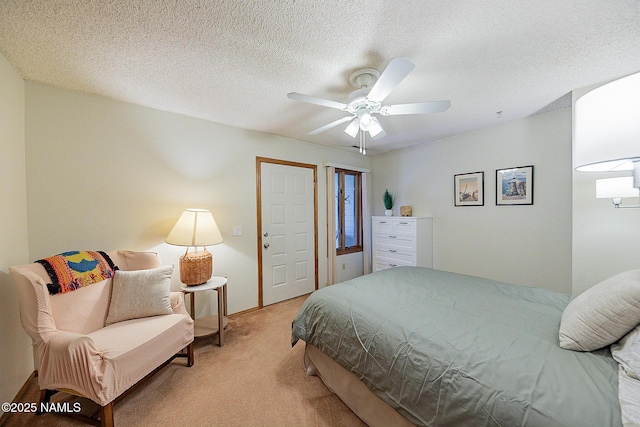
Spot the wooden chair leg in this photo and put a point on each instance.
(190, 355)
(106, 411)
(106, 415)
(45, 396)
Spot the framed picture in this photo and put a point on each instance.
(468, 189)
(514, 186)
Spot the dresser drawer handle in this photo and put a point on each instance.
(393, 251)
(393, 265)
(392, 237)
(382, 222)
(403, 223)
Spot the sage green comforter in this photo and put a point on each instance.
(445, 349)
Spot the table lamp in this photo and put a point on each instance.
(195, 228)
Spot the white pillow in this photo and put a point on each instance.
(627, 353)
(140, 293)
(602, 314)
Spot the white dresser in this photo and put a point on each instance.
(401, 240)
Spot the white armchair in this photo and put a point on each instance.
(77, 349)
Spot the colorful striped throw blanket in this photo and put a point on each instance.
(76, 269)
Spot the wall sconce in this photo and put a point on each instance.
(615, 189)
(607, 128)
(195, 227)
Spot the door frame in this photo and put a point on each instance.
(259, 162)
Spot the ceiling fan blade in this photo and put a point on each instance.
(415, 108)
(396, 71)
(330, 125)
(318, 101)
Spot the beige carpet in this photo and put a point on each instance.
(256, 379)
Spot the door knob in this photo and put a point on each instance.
(266, 246)
(266, 234)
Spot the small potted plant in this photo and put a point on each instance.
(387, 199)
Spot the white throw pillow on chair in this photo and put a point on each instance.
(140, 293)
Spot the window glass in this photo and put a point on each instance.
(350, 214)
(338, 215)
(348, 190)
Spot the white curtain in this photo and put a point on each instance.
(366, 224)
(331, 225)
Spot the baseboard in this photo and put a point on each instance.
(240, 313)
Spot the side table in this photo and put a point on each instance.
(209, 325)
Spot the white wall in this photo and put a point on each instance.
(103, 174)
(349, 266)
(15, 346)
(527, 245)
(606, 241)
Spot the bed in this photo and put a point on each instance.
(418, 346)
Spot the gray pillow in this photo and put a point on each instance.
(602, 314)
(140, 293)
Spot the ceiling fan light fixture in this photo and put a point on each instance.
(353, 128)
(375, 128)
(366, 121)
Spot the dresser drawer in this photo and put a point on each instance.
(394, 241)
(393, 254)
(405, 228)
(383, 264)
(382, 227)
(395, 226)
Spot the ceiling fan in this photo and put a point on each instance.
(363, 103)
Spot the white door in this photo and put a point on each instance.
(288, 234)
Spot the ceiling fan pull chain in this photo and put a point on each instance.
(363, 142)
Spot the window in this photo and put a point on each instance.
(348, 191)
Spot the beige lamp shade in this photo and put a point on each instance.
(195, 227)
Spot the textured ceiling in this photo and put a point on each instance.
(233, 62)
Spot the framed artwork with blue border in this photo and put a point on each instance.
(514, 186)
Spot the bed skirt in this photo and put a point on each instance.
(366, 405)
